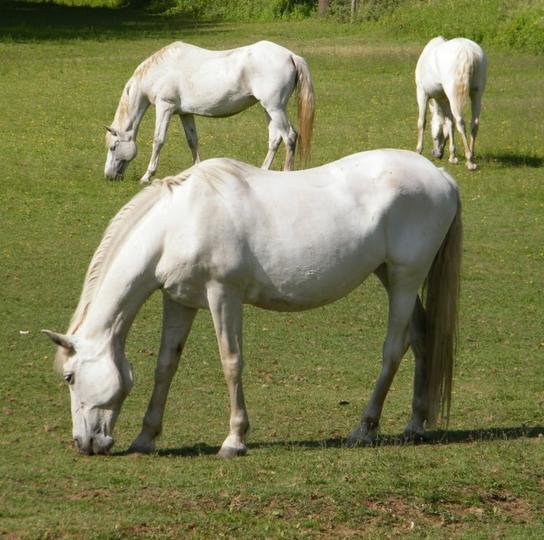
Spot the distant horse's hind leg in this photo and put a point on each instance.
(188, 123)
(226, 310)
(476, 99)
(177, 321)
(422, 100)
(402, 293)
(460, 125)
(279, 128)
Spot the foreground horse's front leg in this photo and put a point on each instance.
(401, 307)
(226, 308)
(177, 321)
(188, 123)
(163, 111)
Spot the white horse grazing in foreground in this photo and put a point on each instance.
(224, 233)
(186, 80)
(450, 72)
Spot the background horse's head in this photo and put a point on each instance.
(439, 129)
(98, 383)
(121, 151)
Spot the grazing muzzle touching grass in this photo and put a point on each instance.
(121, 151)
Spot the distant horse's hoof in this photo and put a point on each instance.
(471, 166)
(229, 452)
(454, 160)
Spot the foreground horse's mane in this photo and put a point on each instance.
(115, 234)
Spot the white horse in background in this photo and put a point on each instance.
(449, 72)
(186, 80)
(224, 233)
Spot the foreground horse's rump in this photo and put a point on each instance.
(449, 73)
(185, 80)
(224, 234)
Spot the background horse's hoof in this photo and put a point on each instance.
(471, 166)
(454, 160)
(140, 446)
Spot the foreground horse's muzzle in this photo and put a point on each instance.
(95, 445)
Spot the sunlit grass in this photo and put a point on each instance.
(307, 374)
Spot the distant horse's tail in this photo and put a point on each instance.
(442, 288)
(306, 107)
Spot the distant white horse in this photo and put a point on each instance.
(450, 72)
(186, 80)
(224, 234)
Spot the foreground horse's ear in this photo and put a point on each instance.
(60, 339)
(111, 130)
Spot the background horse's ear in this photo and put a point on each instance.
(60, 339)
(111, 130)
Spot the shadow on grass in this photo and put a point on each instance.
(28, 21)
(509, 159)
(433, 437)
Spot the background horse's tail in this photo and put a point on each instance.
(306, 107)
(442, 288)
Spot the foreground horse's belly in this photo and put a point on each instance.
(306, 287)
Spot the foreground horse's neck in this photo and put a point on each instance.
(121, 275)
(131, 108)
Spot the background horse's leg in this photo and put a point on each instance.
(422, 100)
(448, 118)
(188, 123)
(402, 291)
(460, 125)
(280, 128)
(476, 101)
(176, 324)
(226, 308)
(164, 112)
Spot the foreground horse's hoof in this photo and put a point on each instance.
(362, 436)
(229, 452)
(141, 446)
(415, 437)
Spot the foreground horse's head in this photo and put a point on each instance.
(98, 383)
(121, 151)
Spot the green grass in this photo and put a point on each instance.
(308, 374)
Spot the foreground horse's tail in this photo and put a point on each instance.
(306, 107)
(442, 288)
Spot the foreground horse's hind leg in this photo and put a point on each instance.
(402, 296)
(279, 128)
(177, 321)
(188, 123)
(226, 309)
(163, 111)
(415, 430)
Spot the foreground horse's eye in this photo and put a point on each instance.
(69, 378)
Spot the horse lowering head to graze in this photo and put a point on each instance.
(185, 80)
(224, 234)
(448, 73)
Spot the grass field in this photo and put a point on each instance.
(308, 374)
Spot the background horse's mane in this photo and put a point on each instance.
(115, 234)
